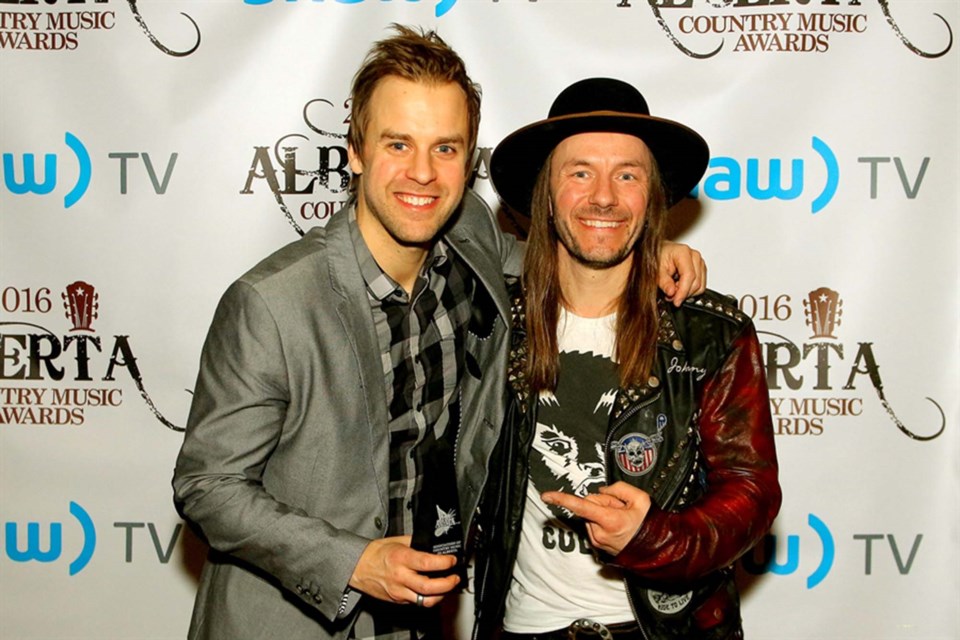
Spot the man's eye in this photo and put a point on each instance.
(398, 146)
(446, 148)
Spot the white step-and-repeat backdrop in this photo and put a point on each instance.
(153, 151)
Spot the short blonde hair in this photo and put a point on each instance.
(418, 56)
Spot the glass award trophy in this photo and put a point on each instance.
(437, 522)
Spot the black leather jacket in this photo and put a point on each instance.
(714, 485)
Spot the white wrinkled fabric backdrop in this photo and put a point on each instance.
(154, 151)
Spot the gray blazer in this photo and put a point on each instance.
(284, 466)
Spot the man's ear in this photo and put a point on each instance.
(356, 162)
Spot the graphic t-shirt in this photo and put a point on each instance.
(557, 579)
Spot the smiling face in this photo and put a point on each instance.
(412, 165)
(599, 184)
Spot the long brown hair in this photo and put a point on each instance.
(418, 56)
(637, 315)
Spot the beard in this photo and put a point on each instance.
(596, 257)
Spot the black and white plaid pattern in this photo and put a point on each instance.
(421, 338)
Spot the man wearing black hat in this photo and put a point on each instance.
(637, 462)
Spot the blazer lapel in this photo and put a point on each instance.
(353, 310)
(488, 272)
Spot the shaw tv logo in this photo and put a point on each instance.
(55, 541)
(813, 177)
(820, 548)
(33, 550)
(32, 175)
(727, 178)
(28, 181)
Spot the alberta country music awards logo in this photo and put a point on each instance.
(811, 370)
(314, 165)
(308, 173)
(32, 25)
(47, 379)
(703, 28)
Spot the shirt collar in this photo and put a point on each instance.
(380, 285)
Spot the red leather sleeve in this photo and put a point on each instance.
(743, 494)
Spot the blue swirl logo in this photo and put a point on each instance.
(28, 182)
(30, 550)
(770, 563)
(727, 179)
(443, 6)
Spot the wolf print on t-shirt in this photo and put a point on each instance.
(572, 422)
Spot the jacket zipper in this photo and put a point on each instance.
(629, 413)
(633, 608)
(624, 417)
(668, 500)
(456, 440)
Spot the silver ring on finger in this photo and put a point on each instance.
(419, 599)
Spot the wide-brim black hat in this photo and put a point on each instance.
(597, 105)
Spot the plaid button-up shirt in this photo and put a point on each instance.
(421, 337)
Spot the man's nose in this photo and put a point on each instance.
(421, 169)
(603, 193)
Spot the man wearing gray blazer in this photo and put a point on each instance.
(331, 366)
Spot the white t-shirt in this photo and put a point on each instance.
(557, 579)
